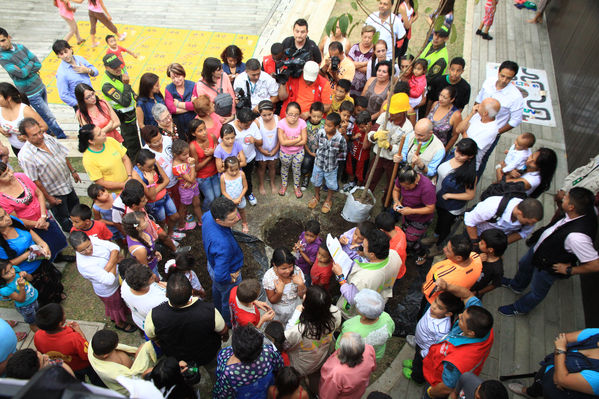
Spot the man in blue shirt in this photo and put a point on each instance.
(72, 70)
(223, 253)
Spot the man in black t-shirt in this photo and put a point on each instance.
(300, 40)
(453, 78)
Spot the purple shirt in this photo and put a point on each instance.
(311, 250)
(220, 152)
(422, 195)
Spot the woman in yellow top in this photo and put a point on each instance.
(105, 160)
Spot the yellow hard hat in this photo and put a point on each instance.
(399, 103)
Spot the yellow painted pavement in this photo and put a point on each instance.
(155, 47)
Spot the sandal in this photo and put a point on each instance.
(20, 335)
(298, 192)
(421, 260)
(326, 207)
(129, 329)
(12, 323)
(313, 202)
(282, 191)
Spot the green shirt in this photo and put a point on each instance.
(375, 334)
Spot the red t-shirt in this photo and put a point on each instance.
(321, 275)
(118, 52)
(67, 345)
(98, 230)
(269, 64)
(399, 244)
(240, 316)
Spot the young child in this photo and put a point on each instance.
(292, 135)
(434, 325)
(184, 169)
(284, 284)
(269, 62)
(359, 152)
(267, 153)
(346, 110)
(102, 209)
(110, 359)
(81, 217)
(332, 149)
(245, 307)
(67, 12)
(142, 245)
(341, 94)
(360, 105)
(493, 243)
(516, 155)
(485, 25)
(275, 333)
(64, 340)
(184, 263)
(233, 185)
(15, 285)
(351, 241)
(322, 270)
(314, 123)
(306, 248)
(114, 48)
(385, 221)
(228, 147)
(160, 205)
(417, 82)
(201, 148)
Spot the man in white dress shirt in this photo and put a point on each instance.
(510, 98)
(382, 21)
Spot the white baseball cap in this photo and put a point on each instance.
(311, 69)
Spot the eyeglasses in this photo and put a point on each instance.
(293, 115)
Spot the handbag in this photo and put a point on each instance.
(223, 102)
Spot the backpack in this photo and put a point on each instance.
(223, 102)
(505, 190)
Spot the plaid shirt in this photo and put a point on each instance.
(50, 168)
(330, 152)
(22, 67)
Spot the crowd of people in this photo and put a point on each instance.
(164, 164)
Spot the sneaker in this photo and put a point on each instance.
(411, 340)
(176, 244)
(518, 389)
(177, 235)
(507, 283)
(479, 32)
(407, 373)
(486, 36)
(252, 200)
(348, 187)
(407, 363)
(305, 182)
(509, 310)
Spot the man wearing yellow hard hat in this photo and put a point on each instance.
(388, 137)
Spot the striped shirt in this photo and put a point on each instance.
(50, 168)
(22, 67)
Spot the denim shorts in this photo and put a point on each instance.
(28, 312)
(330, 178)
(162, 208)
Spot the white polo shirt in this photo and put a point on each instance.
(510, 98)
(265, 88)
(485, 210)
(92, 267)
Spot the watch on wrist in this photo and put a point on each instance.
(340, 277)
(560, 352)
(569, 271)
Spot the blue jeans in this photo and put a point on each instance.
(39, 102)
(210, 188)
(220, 295)
(539, 287)
(162, 208)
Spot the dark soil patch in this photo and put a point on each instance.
(359, 196)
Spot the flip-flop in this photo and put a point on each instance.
(131, 328)
(20, 335)
(421, 260)
(313, 203)
(298, 192)
(282, 191)
(326, 207)
(244, 228)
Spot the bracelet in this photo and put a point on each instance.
(560, 352)
(341, 282)
(428, 391)
(151, 185)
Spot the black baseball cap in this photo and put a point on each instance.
(443, 31)
(112, 61)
